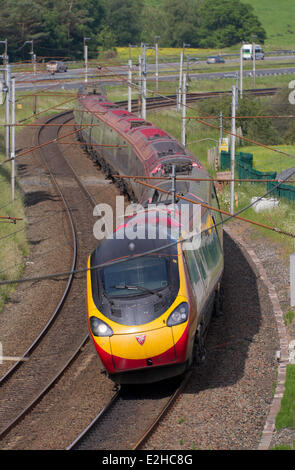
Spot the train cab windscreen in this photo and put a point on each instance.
(135, 277)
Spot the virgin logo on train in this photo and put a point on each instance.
(140, 339)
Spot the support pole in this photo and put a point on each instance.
(254, 65)
(180, 81)
(220, 127)
(292, 280)
(143, 112)
(34, 59)
(183, 123)
(233, 149)
(86, 62)
(139, 84)
(7, 110)
(173, 186)
(129, 85)
(218, 163)
(157, 67)
(35, 104)
(12, 138)
(241, 72)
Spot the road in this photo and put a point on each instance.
(75, 77)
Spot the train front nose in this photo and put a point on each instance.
(139, 350)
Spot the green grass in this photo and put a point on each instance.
(289, 317)
(281, 217)
(278, 19)
(202, 85)
(267, 160)
(14, 247)
(13, 243)
(286, 416)
(276, 16)
(284, 447)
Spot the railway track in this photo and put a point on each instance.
(138, 412)
(27, 393)
(130, 417)
(170, 100)
(64, 335)
(26, 354)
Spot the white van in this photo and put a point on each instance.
(247, 52)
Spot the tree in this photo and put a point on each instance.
(223, 23)
(19, 22)
(258, 129)
(57, 27)
(124, 19)
(152, 20)
(68, 22)
(180, 19)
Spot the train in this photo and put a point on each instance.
(150, 298)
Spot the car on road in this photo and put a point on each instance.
(216, 59)
(56, 66)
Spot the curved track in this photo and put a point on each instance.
(130, 417)
(170, 100)
(138, 412)
(64, 335)
(69, 215)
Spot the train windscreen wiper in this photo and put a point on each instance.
(136, 287)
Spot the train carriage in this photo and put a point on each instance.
(149, 306)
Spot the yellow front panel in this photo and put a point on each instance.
(156, 342)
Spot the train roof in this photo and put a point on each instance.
(153, 145)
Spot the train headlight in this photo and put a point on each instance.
(99, 327)
(179, 315)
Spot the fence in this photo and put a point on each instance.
(245, 170)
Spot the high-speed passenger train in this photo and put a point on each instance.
(150, 304)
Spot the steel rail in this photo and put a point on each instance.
(99, 416)
(67, 288)
(86, 433)
(74, 355)
(163, 413)
(159, 101)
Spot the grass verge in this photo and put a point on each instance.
(14, 247)
(286, 416)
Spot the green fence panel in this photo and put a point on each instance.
(245, 170)
(246, 158)
(224, 160)
(285, 191)
(259, 175)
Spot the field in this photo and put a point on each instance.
(276, 16)
(267, 160)
(278, 19)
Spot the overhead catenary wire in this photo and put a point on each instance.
(156, 250)
(221, 179)
(55, 140)
(211, 125)
(153, 251)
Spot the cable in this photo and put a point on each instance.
(168, 245)
(206, 123)
(148, 252)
